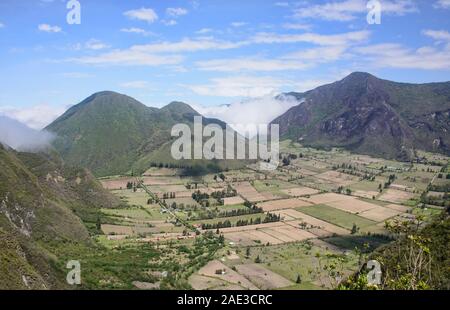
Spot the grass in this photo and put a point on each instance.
(336, 216)
(135, 213)
(274, 187)
(293, 259)
(352, 242)
(232, 219)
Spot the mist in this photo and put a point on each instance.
(22, 138)
(255, 111)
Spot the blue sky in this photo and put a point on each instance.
(208, 52)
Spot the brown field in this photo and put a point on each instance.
(294, 232)
(400, 208)
(365, 194)
(229, 201)
(273, 233)
(312, 221)
(262, 277)
(116, 229)
(168, 188)
(283, 204)
(229, 276)
(238, 238)
(327, 198)
(162, 172)
(300, 191)
(161, 180)
(353, 206)
(199, 282)
(248, 192)
(396, 196)
(262, 236)
(307, 172)
(250, 227)
(379, 214)
(184, 194)
(119, 183)
(336, 177)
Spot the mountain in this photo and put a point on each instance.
(372, 116)
(110, 132)
(43, 205)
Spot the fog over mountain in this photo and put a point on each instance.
(252, 111)
(21, 137)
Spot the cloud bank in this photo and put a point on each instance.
(256, 111)
(22, 138)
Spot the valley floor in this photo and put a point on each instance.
(293, 228)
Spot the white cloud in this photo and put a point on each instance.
(392, 55)
(129, 57)
(2, 25)
(251, 64)
(297, 26)
(137, 31)
(440, 35)
(135, 84)
(238, 24)
(256, 111)
(318, 39)
(239, 86)
(175, 12)
(170, 22)
(49, 28)
(94, 44)
(319, 54)
(348, 9)
(442, 4)
(188, 45)
(36, 117)
(22, 138)
(299, 60)
(282, 4)
(204, 31)
(77, 75)
(144, 14)
(149, 54)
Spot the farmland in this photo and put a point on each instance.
(272, 229)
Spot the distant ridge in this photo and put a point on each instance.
(372, 116)
(111, 133)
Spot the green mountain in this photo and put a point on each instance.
(43, 204)
(110, 134)
(372, 116)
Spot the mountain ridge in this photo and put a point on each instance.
(372, 116)
(109, 132)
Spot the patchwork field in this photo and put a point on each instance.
(278, 226)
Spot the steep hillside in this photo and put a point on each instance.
(109, 132)
(39, 203)
(372, 116)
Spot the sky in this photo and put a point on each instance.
(209, 53)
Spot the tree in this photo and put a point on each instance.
(257, 260)
(98, 224)
(355, 229)
(299, 279)
(247, 252)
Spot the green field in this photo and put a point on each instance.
(336, 217)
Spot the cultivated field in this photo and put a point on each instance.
(278, 226)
